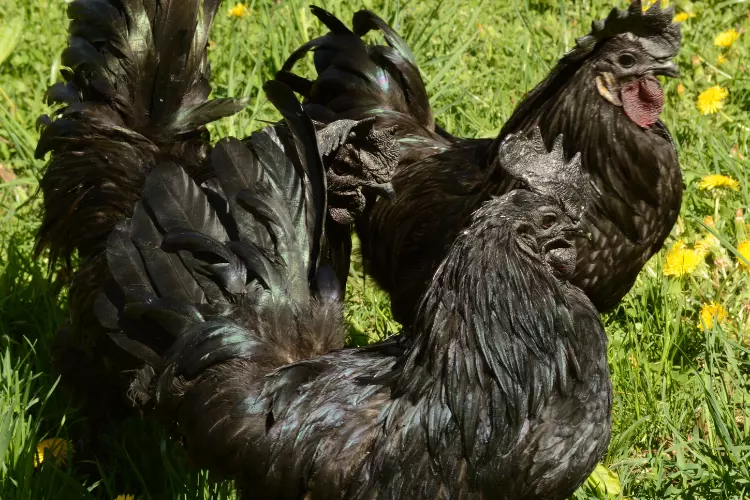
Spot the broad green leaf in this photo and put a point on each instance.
(10, 34)
(604, 482)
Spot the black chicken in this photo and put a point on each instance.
(602, 96)
(220, 293)
(136, 95)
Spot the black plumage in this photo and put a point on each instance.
(602, 96)
(136, 96)
(491, 399)
(136, 93)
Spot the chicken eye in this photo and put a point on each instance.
(548, 220)
(626, 60)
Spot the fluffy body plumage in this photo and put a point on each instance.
(492, 399)
(441, 180)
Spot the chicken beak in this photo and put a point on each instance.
(669, 69)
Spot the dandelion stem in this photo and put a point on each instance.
(715, 68)
(733, 121)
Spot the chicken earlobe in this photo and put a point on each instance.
(605, 84)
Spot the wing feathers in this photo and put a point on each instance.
(177, 202)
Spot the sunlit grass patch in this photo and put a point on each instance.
(679, 348)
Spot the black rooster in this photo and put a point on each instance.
(136, 95)
(602, 96)
(219, 292)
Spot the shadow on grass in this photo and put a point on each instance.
(107, 459)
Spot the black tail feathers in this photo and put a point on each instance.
(135, 94)
(357, 81)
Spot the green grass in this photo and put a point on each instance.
(682, 398)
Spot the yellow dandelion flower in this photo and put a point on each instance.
(711, 100)
(721, 60)
(744, 249)
(239, 10)
(680, 88)
(726, 38)
(709, 221)
(680, 260)
(712, 312)
(58, 448)
(683, 16)
(704, 245)
(125, 497)
(714, 181)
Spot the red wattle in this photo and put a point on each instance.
(643, 101)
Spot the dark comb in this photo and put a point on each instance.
(654, 25)
(547, 173)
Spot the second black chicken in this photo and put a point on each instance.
(220, 293)
(603, 96)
